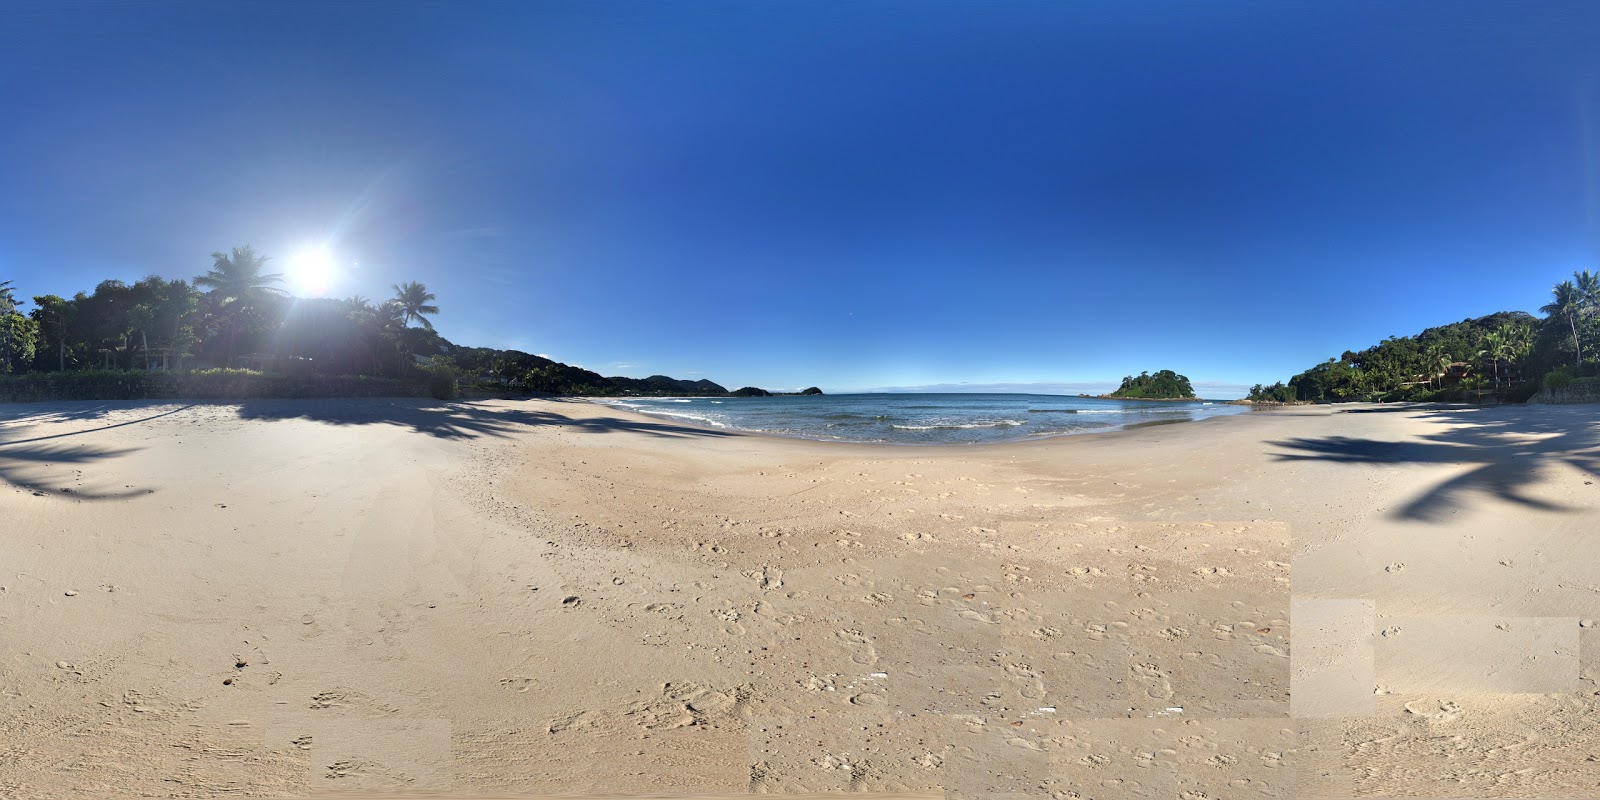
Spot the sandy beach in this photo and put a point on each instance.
(288, 597)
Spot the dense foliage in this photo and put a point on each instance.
(1163, 385)
(1504, 355)
(235, 316)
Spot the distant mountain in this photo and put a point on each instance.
(662, 384)
(518, 370)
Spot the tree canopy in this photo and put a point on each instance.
(1507, 352)
(1163, 385)
(235, 315)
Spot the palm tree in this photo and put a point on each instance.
(1518, 342)
(1568, 303)
(237, 278)
(413, 299)
(390, 318)
(1493, 343)
(1588, 284)
(239, 285)
(8, 306)
(1439, 364)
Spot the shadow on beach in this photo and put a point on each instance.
(20, 454)
(1507, 450)
(453, 420)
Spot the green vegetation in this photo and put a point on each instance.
(233, 332)
(751, 391)
(810, 391)
(1164, 385)
(1503, 356)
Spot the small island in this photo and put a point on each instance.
(1164, 385)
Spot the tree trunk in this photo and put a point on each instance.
(1577, 348)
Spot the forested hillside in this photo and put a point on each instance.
(1506, 355)
(1163, 385)
(236, 317)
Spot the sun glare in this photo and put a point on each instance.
(311, 271)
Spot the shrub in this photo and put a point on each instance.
(1558, 378)
(1521, 392)
(441, 382)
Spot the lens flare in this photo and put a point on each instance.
(311, 272)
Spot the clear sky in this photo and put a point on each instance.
(847, 194)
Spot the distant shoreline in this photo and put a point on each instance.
(1151, 399)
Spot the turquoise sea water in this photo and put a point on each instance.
(921, 418)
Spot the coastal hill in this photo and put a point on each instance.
(1507, 356)
(237, 332)
(1163, 385)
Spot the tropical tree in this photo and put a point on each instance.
(239, 278)
(240, 289)
(1495, 345)
(54, 316)
(1439, 365)
(1568, 302)
(7, 309)
(17, 332)
(391, 320)
(1588, 284)
(415, 300)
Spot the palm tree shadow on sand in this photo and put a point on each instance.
(455, 420)
(1506, 452)
(23, 458)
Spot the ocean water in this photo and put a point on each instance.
(921, 418)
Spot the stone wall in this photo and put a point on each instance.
(1587, 392)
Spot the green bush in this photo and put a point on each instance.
(1521, 392)
(1558, 378)
(441, 382)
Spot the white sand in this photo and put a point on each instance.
(289, 597)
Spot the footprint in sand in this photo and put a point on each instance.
(1029, 683)
(867, 699)
(581, 720)
(862, 651)
(1395, 567)
(517, 682)
(1444, 711)
(1152, 680)
(343, 769)
(770, 578)
(327, 699)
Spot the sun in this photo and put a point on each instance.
(311, 272)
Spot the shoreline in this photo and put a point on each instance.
(1029, 438)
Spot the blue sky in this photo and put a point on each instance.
(853, 195)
